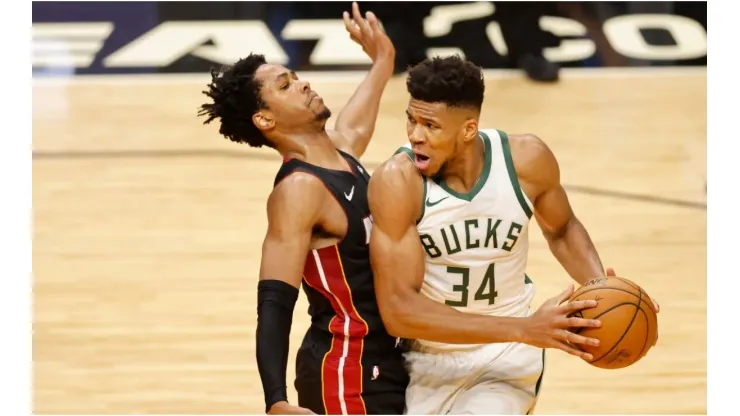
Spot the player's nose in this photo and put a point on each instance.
(305, 86)
(416, 136)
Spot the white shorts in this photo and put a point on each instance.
(488, 379)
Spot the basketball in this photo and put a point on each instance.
(629, 323)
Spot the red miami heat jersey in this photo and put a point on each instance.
(338, 282)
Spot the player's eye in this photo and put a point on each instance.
(285, 87)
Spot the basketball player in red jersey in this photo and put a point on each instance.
(318, 232)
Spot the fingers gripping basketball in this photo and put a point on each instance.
(629, 323)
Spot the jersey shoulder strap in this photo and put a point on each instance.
(501, 150)
(289, 166)
(405, 149)
(355, 164)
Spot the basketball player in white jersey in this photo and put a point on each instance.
(449, 249)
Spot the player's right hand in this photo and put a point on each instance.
(548, 327)
(285, 408)
(368, 33)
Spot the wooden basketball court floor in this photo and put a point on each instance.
(148, 226)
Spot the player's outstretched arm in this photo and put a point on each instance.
(284, 250)
(397, 256)
(568, 239)
(356, 122)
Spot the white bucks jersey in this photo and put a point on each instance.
(476, 243)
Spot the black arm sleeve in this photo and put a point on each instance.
(275, 303)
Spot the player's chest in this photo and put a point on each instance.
(350, 190)
(481, 228)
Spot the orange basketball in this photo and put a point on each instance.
(629, 323)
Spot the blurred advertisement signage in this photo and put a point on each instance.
(145, 37)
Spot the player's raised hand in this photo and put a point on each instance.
(367, 33)
(548, 327)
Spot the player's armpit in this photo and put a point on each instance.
(539, 174)
(397, 257)
(284, 251)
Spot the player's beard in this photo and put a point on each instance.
(324, 114)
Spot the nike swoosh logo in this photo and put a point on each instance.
(351, 192)
(431, 204)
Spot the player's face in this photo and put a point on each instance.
(436, 133)
(291, 103)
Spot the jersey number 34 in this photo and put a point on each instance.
(485, 292)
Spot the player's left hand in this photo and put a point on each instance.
(610, 272)
(368, 34)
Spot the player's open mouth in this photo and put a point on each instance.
(421, 161)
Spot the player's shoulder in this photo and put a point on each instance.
(532, 157)
(398, 170)
(298, 185)
(298, 176)
(527, 142)
(395, 192)
(396, 181)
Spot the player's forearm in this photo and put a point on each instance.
(406, 313)
(576, 252)
(275, 303)
(357, 119)
(415, 316)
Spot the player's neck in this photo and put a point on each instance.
(463, 172)
(311, 147)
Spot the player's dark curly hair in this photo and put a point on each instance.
(236, 97)
(450, 80)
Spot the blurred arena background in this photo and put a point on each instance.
(148, 225)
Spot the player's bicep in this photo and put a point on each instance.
(539, 172)
(395, 249)
(553, 211)
(283, 258)
(289, 232)
(551, 206)
(397, 260)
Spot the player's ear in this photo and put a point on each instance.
(470, 129)
(263, 120)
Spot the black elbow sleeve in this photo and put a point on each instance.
(275, 303)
